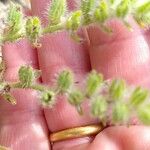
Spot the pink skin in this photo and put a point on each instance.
(26, 126)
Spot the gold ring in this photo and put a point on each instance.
(75, 133)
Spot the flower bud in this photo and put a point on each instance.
(33, 29)
(74, 21)
(76, 97)
(48, 98)
(99, 107)
(144, 115)
(101, 12)
(123, 8)
(27, 76)
(120, 113)
(87, 7)
(94, 81)
(117, 89)
(138, 96)
(14, 29)
(65, 80)
(57, 10)
(142, 15)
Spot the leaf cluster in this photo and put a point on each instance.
(59, 18)
(112, 102)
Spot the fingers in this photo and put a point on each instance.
(21, 126)
(58, 52)
(122, 138)
(15, 55)
(24, 133)
(75, 144)
(117, 138)
(123, 54)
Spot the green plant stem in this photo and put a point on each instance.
(38, 87)
(11, 38)
(51, 29)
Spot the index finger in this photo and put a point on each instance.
(59, 52)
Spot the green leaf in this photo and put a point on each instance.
(99, 107)
(65, 81)
(120, 113)
(101, 12)
(57, 10)
(27, 76)
(48, 98)
(93, 83)
(117, 89)
(33, 29)
(138, 96)
(144, 115)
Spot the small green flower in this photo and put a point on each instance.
(101, 12)
(142, 14)
(144, 114)
(123, 8)
(48, 98)
(57, 10)
(76, 98)
(138, 96)
(33, 29)
(93, 83)
(15, 24)
(120, 114)
(65, 81)
(99, 107)
(27, 76)
(87, 6)
(117, 89)
(74, 21)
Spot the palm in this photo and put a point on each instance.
(26, 126)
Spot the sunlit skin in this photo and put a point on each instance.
(125, 54)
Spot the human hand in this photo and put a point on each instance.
(125, 54)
